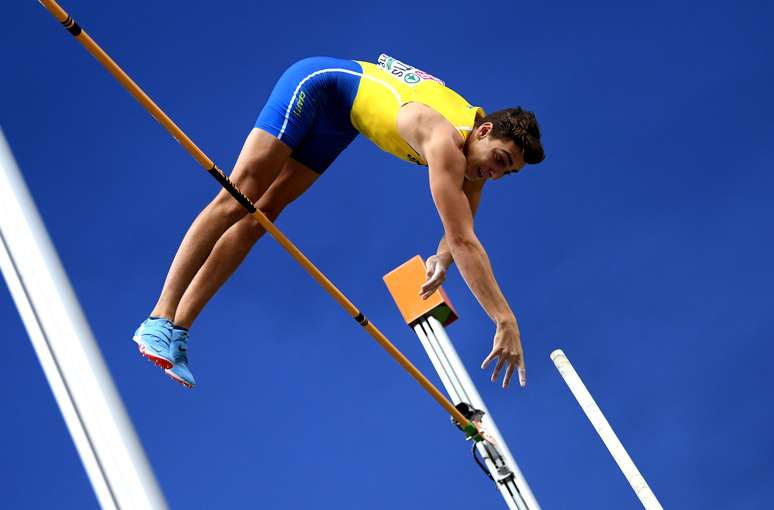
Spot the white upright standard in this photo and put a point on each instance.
(92, 409)
(605, 431)
(498, 459)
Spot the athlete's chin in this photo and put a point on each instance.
(472, 174)
(477, 175)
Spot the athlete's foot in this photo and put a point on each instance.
(153, 338)
(178, 350)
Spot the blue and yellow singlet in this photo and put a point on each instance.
(320, 104)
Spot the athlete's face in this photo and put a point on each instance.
(489, 157)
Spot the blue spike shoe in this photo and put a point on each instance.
(153, 338)
(178, 349)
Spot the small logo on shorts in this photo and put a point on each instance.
(299, 104)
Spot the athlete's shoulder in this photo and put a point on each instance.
(429, 122)
(423, 127)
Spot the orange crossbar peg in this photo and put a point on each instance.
(405, 282)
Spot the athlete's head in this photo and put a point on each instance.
(502, 143)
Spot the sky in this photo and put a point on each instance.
(639, 247)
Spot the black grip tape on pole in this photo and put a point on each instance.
(361, 319)
(229, 186)
(72, 26)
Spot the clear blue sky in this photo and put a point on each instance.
(639, 246)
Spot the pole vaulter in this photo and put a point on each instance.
(92, 47)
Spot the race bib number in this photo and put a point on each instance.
(410, 75)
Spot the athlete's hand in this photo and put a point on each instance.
(509, 353)
(436, 267)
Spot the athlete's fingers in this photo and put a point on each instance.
(428, 293)
(437, 273)
(500, 363)
(429, 276)
(431, 284)
(522, 372)
(488, 359)
(508, 374)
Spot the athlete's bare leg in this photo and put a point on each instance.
(235, 243)
(260, 161)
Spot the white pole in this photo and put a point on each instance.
(605, 431)
(92, 409)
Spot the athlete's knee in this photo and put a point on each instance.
(272, 204)
(271, 211)
(225, 207)
(250, 228)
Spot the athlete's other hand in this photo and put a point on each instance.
(509, 353)
(436, 267)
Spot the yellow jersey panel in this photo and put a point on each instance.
(387, 86)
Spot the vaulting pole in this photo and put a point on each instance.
(134, 89)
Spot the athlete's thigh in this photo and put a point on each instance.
(259, 162)
(293, 180)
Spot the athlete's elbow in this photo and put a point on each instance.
(461, 240)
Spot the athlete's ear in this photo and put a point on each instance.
(484, 129)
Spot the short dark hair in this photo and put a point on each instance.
(521, 127)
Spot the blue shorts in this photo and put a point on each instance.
(309, 109)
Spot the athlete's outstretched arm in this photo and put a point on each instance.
(437, 265)
(447, 168)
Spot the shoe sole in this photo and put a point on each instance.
(163, 363)
(156, 360)
(175, 378)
